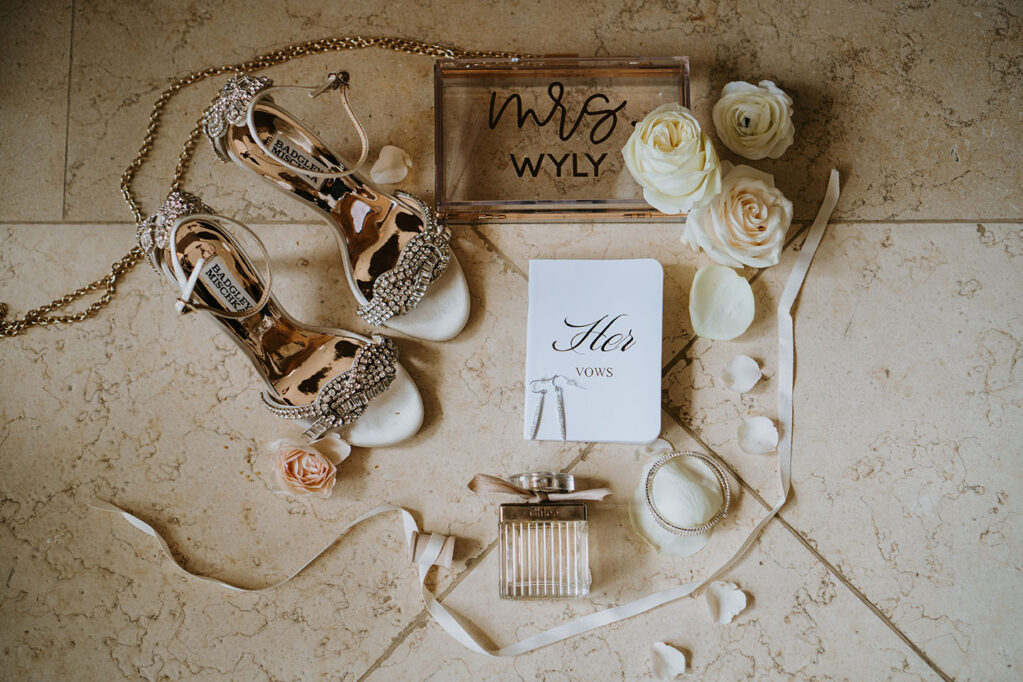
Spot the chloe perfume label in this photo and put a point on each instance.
(288, 151)
(593, 350)
(224, 287)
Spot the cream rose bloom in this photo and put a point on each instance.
(311, 469)
(673, 159)
(745, 224)
(754, 121)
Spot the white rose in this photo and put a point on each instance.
(754, 121)
(673, 159)
(745, 224)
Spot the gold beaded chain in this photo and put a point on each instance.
(42, 316)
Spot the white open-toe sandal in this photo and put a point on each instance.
(397, 256)
(328, 379)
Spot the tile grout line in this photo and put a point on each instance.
(423, 616)
(67, 118)
(866, 601)
(675, 359)
(803, 226)
(959, 222)
(919, 221)
(746, 486)
(679, 355)
(830, 567)
(665, 405)
(493, 247)
(792, 530)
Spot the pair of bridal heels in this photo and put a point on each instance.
(397, 261)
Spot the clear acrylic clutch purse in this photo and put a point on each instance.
(540, 139)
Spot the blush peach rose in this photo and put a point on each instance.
(307, 469)
(745, 224)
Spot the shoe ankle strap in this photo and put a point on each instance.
(158, 234)
(235, 105)
(187, 282)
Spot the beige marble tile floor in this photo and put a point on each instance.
(898, 556)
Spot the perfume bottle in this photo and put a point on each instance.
(544, 552)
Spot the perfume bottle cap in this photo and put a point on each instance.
(544, 482)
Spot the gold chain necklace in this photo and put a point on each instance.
(43, 316)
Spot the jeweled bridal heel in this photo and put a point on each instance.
(397, 257)
(329, 379)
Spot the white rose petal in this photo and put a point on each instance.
(668, 662)
(721, 304)
(725, 601)
(758, 435)
(745, 224)
(391, 166)
(333, 448)
(741, 374)
(674, 161)
(754, 121)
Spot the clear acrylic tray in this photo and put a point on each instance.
(540, 139)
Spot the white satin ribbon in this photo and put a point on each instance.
(426, 550)
(430, 553)
(786, 365)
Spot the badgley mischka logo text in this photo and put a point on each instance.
(224, 287)
(289, 152)
(606, 334)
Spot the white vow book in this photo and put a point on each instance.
(593, 350)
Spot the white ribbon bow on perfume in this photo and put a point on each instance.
(430, 550)
(484, 483)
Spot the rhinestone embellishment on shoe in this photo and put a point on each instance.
(231, 108)
(153, 232)
(344, 398)
(420, 263)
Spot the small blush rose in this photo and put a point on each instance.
(745, 224)
(674, 161)
(311, 469)
(754, 121)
